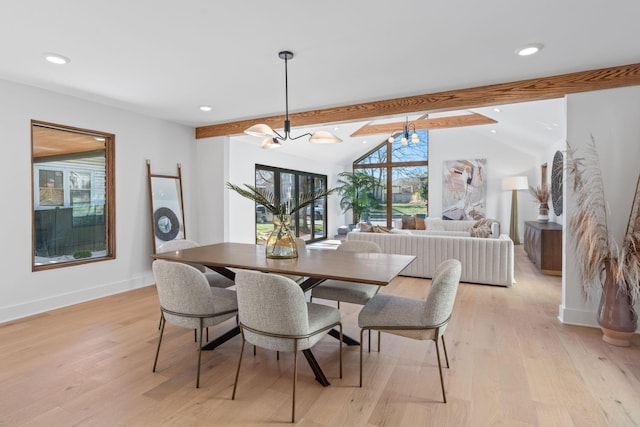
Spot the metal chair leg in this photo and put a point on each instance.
(162, 322)
(444, 346)
(361, 336)
(295, 376)
(444, 396)
(199, 354)
(235, 383)
(340, 349)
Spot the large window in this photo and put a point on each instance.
(309, 223)
(73, 196)
(402, 172)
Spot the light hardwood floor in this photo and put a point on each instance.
(512, 364)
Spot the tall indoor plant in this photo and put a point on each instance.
(281, 242)
(357, 191)
(601, 261)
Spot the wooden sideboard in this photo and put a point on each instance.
(543, 244)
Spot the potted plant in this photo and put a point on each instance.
(281, 242)
(601, 261)
(541, 195)
(357, 193)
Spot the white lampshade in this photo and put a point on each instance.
(324, 137)
(270, 143)
(260, 130)
(515, 183)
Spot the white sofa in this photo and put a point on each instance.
(484, 260)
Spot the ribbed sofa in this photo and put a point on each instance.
(484, 260)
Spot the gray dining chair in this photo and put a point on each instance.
(215, 279)
(350, 292)
(274, 314)
(187, 300)
(415, 318)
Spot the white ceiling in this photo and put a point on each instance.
(165, 58)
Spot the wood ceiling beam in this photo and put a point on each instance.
(436, 123)
(482, 96)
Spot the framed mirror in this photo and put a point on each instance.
(167, 209)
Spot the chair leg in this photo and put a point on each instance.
(277, 355)
(199, 354)
(340, 349)
(369, 336)
(444, 346)
(444, 396)
(379, 337)
(361, 337)
(295, 376)
(235, 383)
(162, 322)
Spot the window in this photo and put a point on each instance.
(73, 196)
(309, 223)
(402, 172)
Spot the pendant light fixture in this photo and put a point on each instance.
(273, 138)
(408, 127)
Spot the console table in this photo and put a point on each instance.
(543, 244)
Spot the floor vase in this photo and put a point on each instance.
(616, 316)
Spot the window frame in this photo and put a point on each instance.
(389, 164)
(109, 192)
(295, 221)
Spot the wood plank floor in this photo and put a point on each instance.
(512, 364)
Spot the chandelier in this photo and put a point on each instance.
(405, 131)
(273, 139)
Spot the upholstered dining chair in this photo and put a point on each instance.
(215, 279)
(413, 318)
(354, 293)
(187, 300)
(275, 315)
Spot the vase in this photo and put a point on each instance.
(543, 213)
(616, 315)
(281, 243)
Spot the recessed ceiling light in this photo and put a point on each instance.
(205, 108)
(364, 142)
(497, 110)
(336, 128)
(494, 131)
(54, 58)
(529, 49)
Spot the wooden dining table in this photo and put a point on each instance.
(315, 265)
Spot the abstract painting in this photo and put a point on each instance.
(464, 189)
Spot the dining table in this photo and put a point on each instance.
(313, 265)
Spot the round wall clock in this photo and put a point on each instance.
(557, 173)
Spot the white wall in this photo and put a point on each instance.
(137, 138)
(238, 168)
(611, 116)
(502, 161)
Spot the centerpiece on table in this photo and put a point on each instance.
(601, 261)
(281, 243)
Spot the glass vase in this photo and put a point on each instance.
(281, 243)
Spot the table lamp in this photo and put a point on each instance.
(515, 183)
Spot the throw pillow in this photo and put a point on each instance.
(420, 225)
(434, 224)
(482, 231)
(379, 229)
(408, 222)
(489, 223)
(364, 227)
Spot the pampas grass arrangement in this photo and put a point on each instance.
(595, 247)
(540, 193)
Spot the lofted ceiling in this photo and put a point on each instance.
(165, 58)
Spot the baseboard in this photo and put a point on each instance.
(577, 317)
(64, 300)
